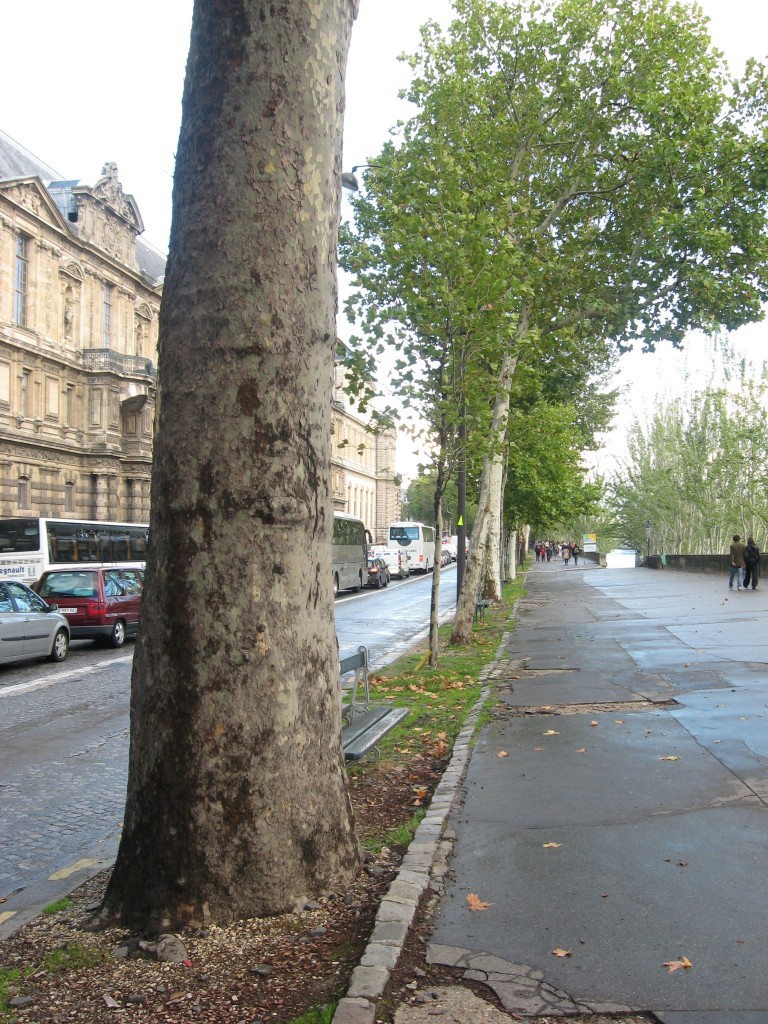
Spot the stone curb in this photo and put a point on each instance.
(425, 859)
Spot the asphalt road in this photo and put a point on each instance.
(64, 732)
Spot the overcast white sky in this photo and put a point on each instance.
(102, 80)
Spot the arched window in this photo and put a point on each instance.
(22, 494)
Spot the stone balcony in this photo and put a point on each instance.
(100, 359)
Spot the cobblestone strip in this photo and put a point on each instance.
(425, 860)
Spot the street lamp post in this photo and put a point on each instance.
(349, 178)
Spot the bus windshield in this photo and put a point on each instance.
(404, 534)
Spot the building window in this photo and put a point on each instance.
(107, 315)
(69, 405)
(69, 496)
(23, 492)
(26, 393)
(21, 281)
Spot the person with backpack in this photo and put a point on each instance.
(751, 563)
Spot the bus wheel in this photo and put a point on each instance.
(335, 585)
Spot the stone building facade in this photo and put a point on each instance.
(79, 301)
(364, 479)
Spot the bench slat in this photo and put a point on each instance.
(377, 730)
(362, 721)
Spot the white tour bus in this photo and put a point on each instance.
(29, 546)
(349, 552)
(419, 542)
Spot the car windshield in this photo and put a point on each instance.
(69, 584)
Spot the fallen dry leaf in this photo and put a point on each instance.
(502, 753)
(111, 1003)
(593, 723)
(562, 952)
(581, 750)
(675, 965)
(551, 846)
(551, 732)
(475, 903)
(672, 757)
(538, 749)
(619, 721)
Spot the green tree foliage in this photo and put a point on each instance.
(546, 483)
(420, 497)
(576, 174)
(699, 471)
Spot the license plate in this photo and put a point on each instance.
(68, 611)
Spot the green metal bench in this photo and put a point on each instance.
(364, 724)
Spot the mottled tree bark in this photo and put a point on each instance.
(237, 800)
(488, 503)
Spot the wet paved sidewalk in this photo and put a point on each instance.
(615, 806)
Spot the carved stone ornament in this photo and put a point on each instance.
(72, 269)
(26, 196)
(110, 191)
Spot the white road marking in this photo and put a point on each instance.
(60, 677)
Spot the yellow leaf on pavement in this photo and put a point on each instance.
(671, 757)
(562, 952)
(502, 753)
(475, 903)
(551, 846)
(675, 965)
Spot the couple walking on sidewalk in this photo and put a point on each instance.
(610, 850)
(744, 558)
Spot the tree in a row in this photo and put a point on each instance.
(698, 470)
(576, 175)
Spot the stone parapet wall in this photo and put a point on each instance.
(691, 563)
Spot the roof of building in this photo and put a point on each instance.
(18, 162)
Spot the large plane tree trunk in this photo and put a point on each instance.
(237, 800)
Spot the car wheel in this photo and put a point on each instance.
(60, 646)
(386, 580)
(335, 585)
(117, 638)
(379, 584)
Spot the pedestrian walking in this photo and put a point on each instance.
(751, 563)
(548, 547)
(566, 553)
(575, 551)
(736, 551)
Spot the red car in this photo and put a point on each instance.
(99, 604)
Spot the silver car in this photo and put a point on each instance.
(29, 628)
